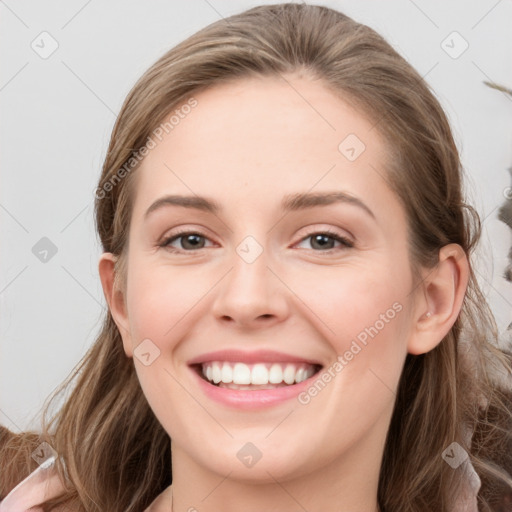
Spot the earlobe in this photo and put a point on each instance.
(115, 298)
(443, 290)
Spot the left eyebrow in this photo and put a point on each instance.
(309, 200)
(290, 202)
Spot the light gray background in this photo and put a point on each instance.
(57, 114)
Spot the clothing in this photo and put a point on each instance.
(43, 484)
(40, 485)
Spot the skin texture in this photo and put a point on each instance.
(247, 144)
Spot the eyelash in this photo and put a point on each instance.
(331, 234)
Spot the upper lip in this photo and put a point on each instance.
(256, 356)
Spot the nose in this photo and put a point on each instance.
(251, 295)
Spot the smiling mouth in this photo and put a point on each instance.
(258, 376)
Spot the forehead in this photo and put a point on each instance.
(260, 138)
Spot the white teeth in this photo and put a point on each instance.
(275, 376)
(227, 373)
(259, 374)
(241, 374)
(216, 373)
(289, 374)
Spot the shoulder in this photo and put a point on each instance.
(467, 499)
(39, 486)
(24, 484)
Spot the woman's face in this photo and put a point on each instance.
(276, 278)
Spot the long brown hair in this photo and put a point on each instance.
(117, 455)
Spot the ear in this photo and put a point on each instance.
(115, 299)
(440, 299)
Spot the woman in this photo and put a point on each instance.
(294, 321)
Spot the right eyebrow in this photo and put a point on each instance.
(197, 202)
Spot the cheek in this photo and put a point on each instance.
(354, 303)
(160, 299)
(161, 307)
(362, 314)
(364, 320)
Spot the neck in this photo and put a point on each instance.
(342, 486)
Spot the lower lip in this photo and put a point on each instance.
(252, 399)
